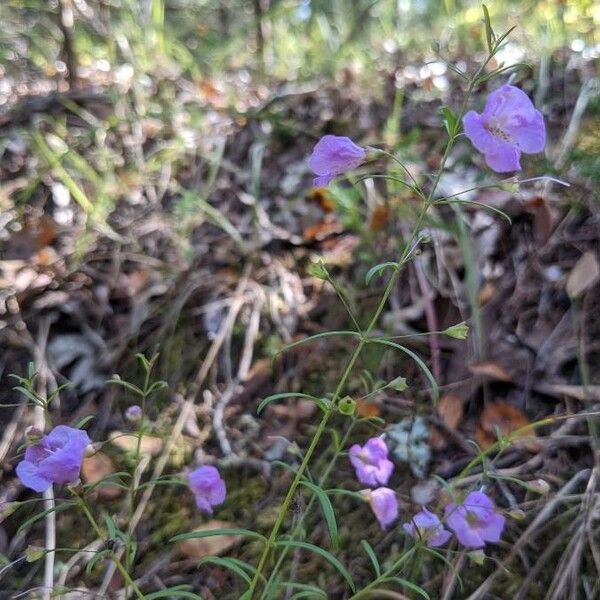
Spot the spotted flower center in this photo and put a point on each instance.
(496, 130)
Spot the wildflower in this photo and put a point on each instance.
(56, 458)
(208, 487)
(384, 504)
(427, 527)
(509, 125)
(475, 521)
(371, 462)
(334, 155)
(134, 413)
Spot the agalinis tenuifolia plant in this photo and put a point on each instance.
(461, 518)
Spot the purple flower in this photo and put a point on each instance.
(371, 462)
(208, 487)
(56, 458)
(334, 155)
(475, 521)
(134, 413)
(384, 504)
(509, 125)
(427, 527)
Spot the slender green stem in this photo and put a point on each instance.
(296, 529)
(391, 572)
(129, 582)
(357, 351)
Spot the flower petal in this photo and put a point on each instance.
(529, 134)
(492, 529)
(505, 159)
(29, 475)
(475, 130)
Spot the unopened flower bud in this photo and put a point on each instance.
(33, 434)
(459, 331)
(134, 414)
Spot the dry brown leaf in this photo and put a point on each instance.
(365, 409)
(584, 275)
(323, 198)
(490, 369)
(322, 230)
(379, 218)
(450, 409)
(97, 467)
(209, 546)
(128, 443)
(503, 419)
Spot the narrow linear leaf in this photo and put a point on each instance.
(372, 557)
(327, 509)
(408, 584)
(378, 269)
(434, 386)
(180, 591)
(229, 564)
(322, 403)
(223, 531)
(478, 204)
(305, 588)
(39, 516)
(318, 336)
(332, 560)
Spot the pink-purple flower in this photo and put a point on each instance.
(384, 505)
(475, 521)
(510, 124)
(334, 155)
(427, 527)
(56, 458)
(371, 462)
(208, 487)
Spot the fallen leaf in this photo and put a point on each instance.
(584, 275)
(322, 230)
(366, 409)
(97, 467)
(323, 198)
(379, 218)
(490, 369)
(215, 545)
(502, 419)
(128, 443)
(450, 409)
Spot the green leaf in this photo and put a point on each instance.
(378, 269)
(478, 204)
(177, 591)
(223, 531)
(317, 336)
(230, 564)
(332, 560)
(449, 120)
(408, 584)
(327, 509)
(305, 588)
(130, 386)
(84, 421)
(58, 508)
(489, 32)
(322, 403)
(435, 391)
(372, 557)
